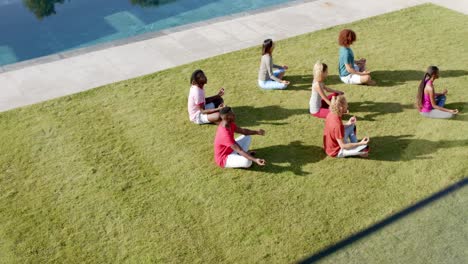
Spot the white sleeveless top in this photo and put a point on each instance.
(315, 99)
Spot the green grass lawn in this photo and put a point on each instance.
(119, 174)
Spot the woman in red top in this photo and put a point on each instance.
(340, 140)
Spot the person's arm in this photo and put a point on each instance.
(277, 66)
(204, 111)
(280, 66)
(430, 89)
(267, 62)
(330, 90)
(245, 131)
(351, 121)
(215, 97)
(444, 92)
(351, 70)
(343, 145)
(246, 155)
(322, 94)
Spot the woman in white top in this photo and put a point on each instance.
(267, 78)
(319, 101)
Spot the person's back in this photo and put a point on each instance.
(427, 105)
(346, 56)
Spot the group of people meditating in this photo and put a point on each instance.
(339, 139)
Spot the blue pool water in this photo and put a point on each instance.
(35, 28)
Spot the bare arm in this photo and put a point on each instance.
(351, 70)
(343, 145)
(246, 155)
(267, 61)
(322, 94)
(330, 90)
(215, 97)
(209, 111)
(430, 90)
(245, 131)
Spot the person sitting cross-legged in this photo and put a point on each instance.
(230, 153)
(351, 71)
(203, 110)
(340, 140)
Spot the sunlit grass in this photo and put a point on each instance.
(119, 174)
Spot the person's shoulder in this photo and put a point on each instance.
(333, 118)
(316, 84)
(429, 87)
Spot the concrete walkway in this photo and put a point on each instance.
(24, 84)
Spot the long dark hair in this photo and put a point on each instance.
(431, 71)
(198, 78)
(267, 45)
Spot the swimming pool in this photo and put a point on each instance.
(34, 28)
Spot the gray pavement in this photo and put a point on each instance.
(58, 75)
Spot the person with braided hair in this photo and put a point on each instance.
(430, 103)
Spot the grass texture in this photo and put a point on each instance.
(119, 174)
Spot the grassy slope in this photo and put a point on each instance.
(119, 174)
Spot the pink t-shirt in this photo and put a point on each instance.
(196, 98)
(222, 144)
(427, 106)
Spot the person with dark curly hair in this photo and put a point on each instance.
(203, 110)
(351, 71)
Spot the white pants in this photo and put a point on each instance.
(352, 78)
(356, 151)
(234, 160)
(436, 113)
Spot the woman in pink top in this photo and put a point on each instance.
(430, 103)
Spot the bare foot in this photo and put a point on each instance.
(371, 83)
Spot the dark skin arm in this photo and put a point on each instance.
(246, 155)
(209, 111)
(241, 152)
(215, 97)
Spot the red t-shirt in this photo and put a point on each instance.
(222, 144)
(334, 129)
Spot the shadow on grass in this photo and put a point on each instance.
(385, 222)
(252, 116)
(393, 78)
(404, 148)
(383, 108)
(295, 154)
(376, 109)
(304, 82)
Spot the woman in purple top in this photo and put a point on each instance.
(430, 103)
